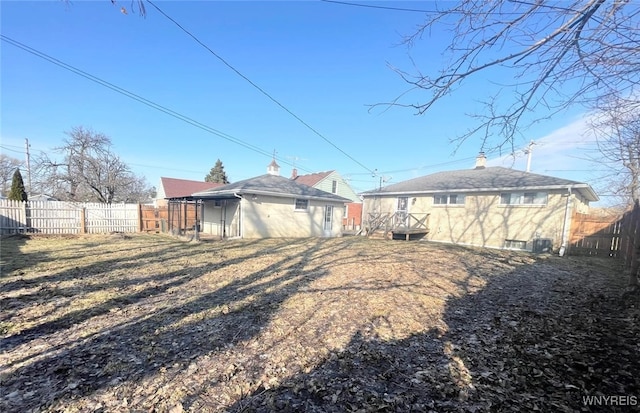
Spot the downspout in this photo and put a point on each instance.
(566, 228)
(241, 216)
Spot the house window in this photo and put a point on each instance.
(515, 244)
(217, 203)
(302, 204)
(523, 198)
(450, 199)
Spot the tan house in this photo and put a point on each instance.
(332, 181)
(270, 206)
(485, 206)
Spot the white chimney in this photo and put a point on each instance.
(273, 168)
(294, 173)
(481, 161)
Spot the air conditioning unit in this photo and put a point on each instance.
(541, 245)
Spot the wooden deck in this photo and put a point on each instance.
(418, 233)
(399, 225)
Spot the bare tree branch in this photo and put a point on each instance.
(558, 54)
(90, 171)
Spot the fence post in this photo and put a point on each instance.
(25, 223)
(140, 224)
(83, 220)
(635, 245)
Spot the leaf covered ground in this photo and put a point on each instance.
(153, 323)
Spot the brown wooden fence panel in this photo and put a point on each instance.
(154, 219)
(609, 235)
(183, 215)
(630, 245)
(595, 234)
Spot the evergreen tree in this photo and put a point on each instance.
(17, 192)
(217, 174)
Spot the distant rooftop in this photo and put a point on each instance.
(271, 185)
(312, 179)
(180, 188)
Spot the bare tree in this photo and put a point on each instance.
(90, 171)
(617, 127)
(8, 165)
(553, 54)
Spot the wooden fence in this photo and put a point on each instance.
(57, 217)
(616, 236)
(154, 219)
(596, 234)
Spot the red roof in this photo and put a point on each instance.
(312, 179)
(178, 188)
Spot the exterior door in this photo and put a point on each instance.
(402, 211)
(328, 218)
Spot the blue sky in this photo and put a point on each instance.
(325, 62)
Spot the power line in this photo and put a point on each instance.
(12, 150)
(128, 163)
(141, 99)
(449, 11)
(274, 100)
(428, 166)
(345, 3)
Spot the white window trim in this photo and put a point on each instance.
(521, 197)
(449, 204)
(295, 205)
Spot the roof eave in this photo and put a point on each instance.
(590, 194)
(231, 194)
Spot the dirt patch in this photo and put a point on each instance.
(148, 322)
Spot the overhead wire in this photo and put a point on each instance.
(164, 167)
(143, 100)
(257, 87)
(371, 6)
(12, 150)
(452, 11)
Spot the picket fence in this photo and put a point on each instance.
(57, 217)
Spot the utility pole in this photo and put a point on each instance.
(26, 145)
(528, 152)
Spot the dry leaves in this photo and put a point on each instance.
(152, 323)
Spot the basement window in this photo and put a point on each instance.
(302, 204)
(514, 244)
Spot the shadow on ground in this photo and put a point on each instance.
(551, 336)
(156, 340)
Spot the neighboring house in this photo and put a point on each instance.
(173, 188)
(42, 197)
(270, 206)
(331, 181)
(492, 207)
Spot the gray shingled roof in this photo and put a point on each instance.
(269, 185)
(482, 179)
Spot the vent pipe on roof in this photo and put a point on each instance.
(294, 173)
(481, 161)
